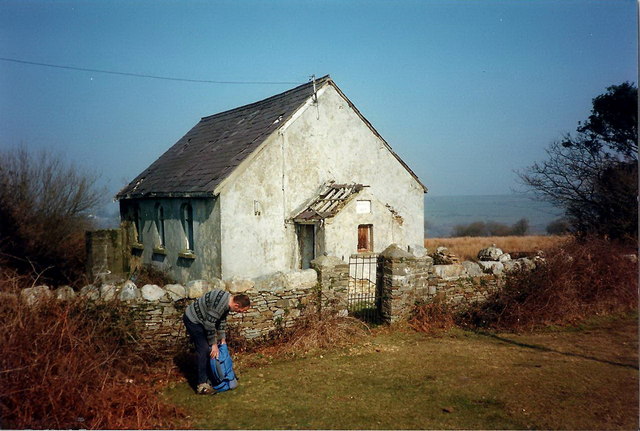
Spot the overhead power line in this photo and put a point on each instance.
(142, 75)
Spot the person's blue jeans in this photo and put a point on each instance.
(203, 349)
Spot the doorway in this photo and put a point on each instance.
(306, 244)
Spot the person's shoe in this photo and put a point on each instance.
(204, 389)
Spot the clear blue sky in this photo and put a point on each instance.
(464, 91)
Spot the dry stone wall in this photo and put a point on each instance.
(279, 299)
(413, 277)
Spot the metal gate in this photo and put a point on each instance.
(364, 295)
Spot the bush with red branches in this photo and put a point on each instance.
(576, 280)
(69, 365)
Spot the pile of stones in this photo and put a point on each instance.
(493, 260)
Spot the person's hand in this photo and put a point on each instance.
(214, 351)
(223, 341)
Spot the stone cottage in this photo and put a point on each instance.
(270, 186)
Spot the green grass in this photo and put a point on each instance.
(571, 379)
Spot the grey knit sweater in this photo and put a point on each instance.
(210, 310)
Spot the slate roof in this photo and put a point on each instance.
(214, 147)
(196, 164)
(329, 202)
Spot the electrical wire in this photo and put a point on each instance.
(141, 75)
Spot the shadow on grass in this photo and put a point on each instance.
(550, 350)
(186, 364)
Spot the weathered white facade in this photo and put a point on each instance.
(246, 227)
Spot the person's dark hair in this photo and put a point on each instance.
(242, 300)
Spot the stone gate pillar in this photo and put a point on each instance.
(404, 281)
(333, 280)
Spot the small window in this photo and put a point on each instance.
(160, 224)
(365, 238)
(363, 207)
(187, 225)
(137, 220)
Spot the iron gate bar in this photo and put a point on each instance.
(363, 297)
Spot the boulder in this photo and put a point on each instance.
(64, 293)
(197, 288)
(216, 283)
(472, 268)
(492, 267)
(34, 295)
(271, 283)
(327, 261)
(129, 292)
(108, 292)
(176, 291)
(490, 253)
(449, 272)
(236, 285)
(442, 256)
(504, 257)
(91, 292)
(152, 292)
(519, 264)
(418, 250)
(305, 279)
(395, 252)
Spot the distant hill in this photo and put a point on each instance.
(442, 213)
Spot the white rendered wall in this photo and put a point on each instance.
(328, 141)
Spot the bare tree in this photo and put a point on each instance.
(594, 175)
(44, 204)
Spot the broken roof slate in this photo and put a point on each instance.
(214, 147)
(329, 202)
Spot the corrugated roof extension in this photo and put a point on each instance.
(329, 202)
(196, 164)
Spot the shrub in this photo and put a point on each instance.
(149, 274)
(559, 226)
(63, 366)
(491, 228)
(44, 205)
(576, 280)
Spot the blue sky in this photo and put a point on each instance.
(464, 91)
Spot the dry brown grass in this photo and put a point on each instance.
(467, 248)
(310, 334)
(431, 318)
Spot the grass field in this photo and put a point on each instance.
(467, 248)
(579, 378)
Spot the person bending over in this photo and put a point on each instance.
(206, 320)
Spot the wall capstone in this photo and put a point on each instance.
(237, 285)
(197, 288)
(33, 295)
(176, 291)
(129, 292)
(152, 292)
(65, 293)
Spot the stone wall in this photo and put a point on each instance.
(279, 299)
(410, 278)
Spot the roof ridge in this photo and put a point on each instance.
(319, 81)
